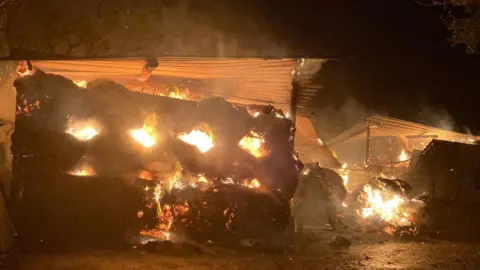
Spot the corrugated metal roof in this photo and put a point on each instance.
(382, 126)
(244, 81)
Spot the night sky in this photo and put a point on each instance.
(394, 56)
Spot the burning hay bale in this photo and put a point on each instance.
(207, 171)
(383, 204)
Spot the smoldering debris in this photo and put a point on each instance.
(111, 162)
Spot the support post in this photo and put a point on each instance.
(367, 150)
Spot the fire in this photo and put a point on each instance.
(403, 156)
(202, 140)
(82, 130)
(253, 184)
(384, 206)
(81, 83)
(254, 144)
(176, 93)
(202, 179)
(85, 170)
(146, 135)
(23, 70)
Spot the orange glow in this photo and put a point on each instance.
(202, 179)
(146, 175)
(81, 83)
(253, 144)
(147, 135)
(85, 170)
(202, 140)
(83, 130)
(22, 69)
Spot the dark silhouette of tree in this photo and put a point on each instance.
(465, 28)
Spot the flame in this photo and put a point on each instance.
(81, 83)
(254, 144)
(256, 114)
(22, 69)
(176, 93)
(202, 179)
(202, 140)
(320, 141)
(403, 156)
(384, 206)
(253, 184)
(85, 170)
(82, 130)
(146, 135)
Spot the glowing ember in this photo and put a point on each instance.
(403, 156)
(82, 83)
(256, 114)
(82, 130)
(254, 144)
(145, 175)
(384, 206)
(202, 140)
(146, 135)
(320, 141)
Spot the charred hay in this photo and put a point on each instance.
(54, 207)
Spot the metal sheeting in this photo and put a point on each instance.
(244, 80)
(308, 146)
(382, 126)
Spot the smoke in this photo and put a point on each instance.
(133, 28)
(331, 120)
(436, 117)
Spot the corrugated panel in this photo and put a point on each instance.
(382, 126)
(308, 146)
(244, 81)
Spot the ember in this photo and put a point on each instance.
(146, 135)
(202, 140)
(254, 144)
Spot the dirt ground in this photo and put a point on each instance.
(386, 255)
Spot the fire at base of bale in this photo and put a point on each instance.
(383, 204)
(205, 171)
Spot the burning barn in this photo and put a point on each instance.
(200, 148)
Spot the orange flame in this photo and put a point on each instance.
(83, 130)
(84, 170)
(81, 83)
(202, 140)
(253, 184)
(387, 207)
(146, 135)
(253, 144)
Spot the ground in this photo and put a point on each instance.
(387, 255)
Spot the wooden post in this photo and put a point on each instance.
(367, 150)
